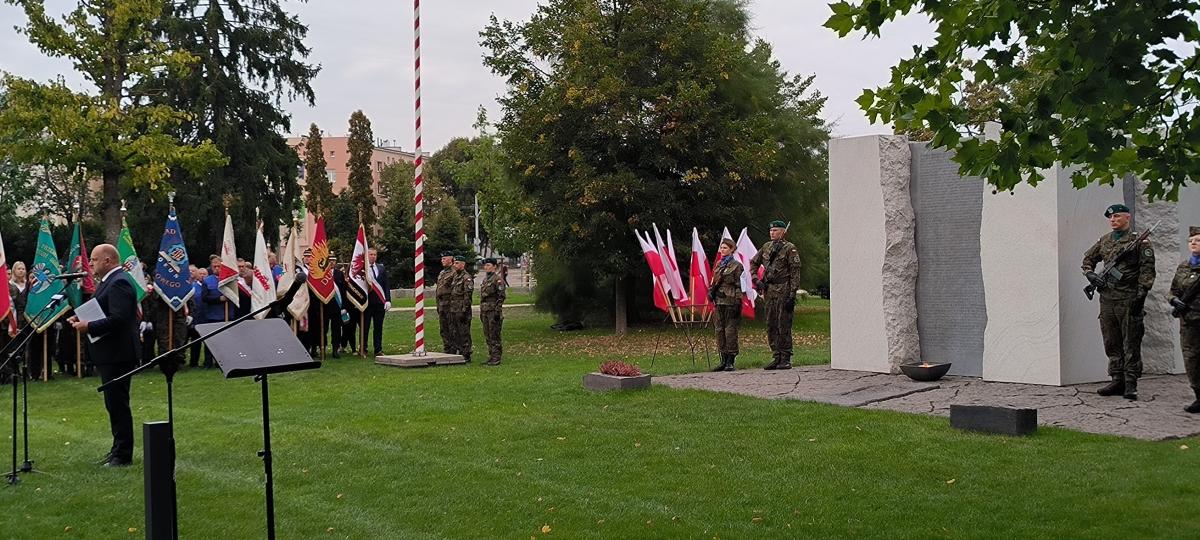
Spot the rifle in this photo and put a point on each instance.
(1110, 273)
(1182, 304)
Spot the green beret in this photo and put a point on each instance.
(447, 254)
(778, 224)
(460, 258)
(489, 261)
(1116, 208)
(1193, 231)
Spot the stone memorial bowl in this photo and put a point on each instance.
(925, 372)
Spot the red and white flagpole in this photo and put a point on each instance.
(418, 195)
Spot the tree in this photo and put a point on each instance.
(396, 244)
(1108, 86)
(361, 145)
(318, 188)
(249, 56)
(116, 132)
(620, 114)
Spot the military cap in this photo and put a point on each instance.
(460, 258)
(1115, 209)
(778, 224)
(448, 254)
(1193, 231)
(489, 260)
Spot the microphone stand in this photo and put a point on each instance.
(23, 336)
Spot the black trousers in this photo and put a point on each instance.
(120, 418)
(374, 327)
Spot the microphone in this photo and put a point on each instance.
(299, 281)
(68, 277)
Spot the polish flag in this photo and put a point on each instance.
(6, 302)
(658, 277)
(228, 281)
(745, 252)
(700, 272)
(678, 290)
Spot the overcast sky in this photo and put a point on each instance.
(365, 50)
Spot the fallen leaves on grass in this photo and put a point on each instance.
(950, 481)
(546, 529)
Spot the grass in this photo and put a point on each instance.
(511, 299)
(363, 451)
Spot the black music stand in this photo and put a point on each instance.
(258, 348)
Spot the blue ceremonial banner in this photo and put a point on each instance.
(171, 274)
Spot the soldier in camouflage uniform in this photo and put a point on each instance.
(1122, 300)
(462, 285)
(1187, 278)
(779, 284)
(491, 309)
(725, 292)
(441, 295)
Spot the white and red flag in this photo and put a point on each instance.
(227, 272)
(658, 274)
(262, 283)
(745, 252)
(7, 313)
(356, 281)
(700, 272)
(292, 260)
(677, 289)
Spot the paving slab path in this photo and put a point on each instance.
(1158, 415)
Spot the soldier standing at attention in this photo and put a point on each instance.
(491, 309)
(1121, 299)
(462, 285)
(779, 284)
(442, 297)
(725, 292)
(1185, 292)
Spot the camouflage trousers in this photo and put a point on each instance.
(1189, 338)
(781, 309)
(492, 320)
(726, 320)
(446, 328)
(1122, 327)
(462, 333)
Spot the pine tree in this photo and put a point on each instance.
(362, 191)
(318, 189)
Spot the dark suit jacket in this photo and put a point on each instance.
(374, 301)
(118, 331)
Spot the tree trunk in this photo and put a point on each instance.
(112, 206)
(620, 315)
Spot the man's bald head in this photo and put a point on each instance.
(104, 259)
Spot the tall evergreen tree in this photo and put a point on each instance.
(318, 190)
(361, 145)
(250, 55)
(623, 113)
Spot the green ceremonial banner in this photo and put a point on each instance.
(131, 262)
(42, 286)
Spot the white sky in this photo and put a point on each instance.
(365, 50)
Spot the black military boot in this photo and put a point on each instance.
(1194, 408)
(774, 363)
(785, 362)
(1114, 388)
(729, 365)
(1130, 388)
(724, 362)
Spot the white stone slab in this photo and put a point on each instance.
(856, 246)
(1041, 328)
(428, 359)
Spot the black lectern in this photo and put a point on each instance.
(258, 348)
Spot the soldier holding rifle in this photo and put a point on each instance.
(1123, 284)
(1185, 301)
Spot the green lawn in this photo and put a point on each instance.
(512, 298)
(365, 451)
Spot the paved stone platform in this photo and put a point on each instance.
(1158, 415)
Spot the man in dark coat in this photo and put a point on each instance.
(115, 349)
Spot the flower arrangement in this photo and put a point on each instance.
(618, 368)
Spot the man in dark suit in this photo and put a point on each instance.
(377, 307)
(115, 349)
